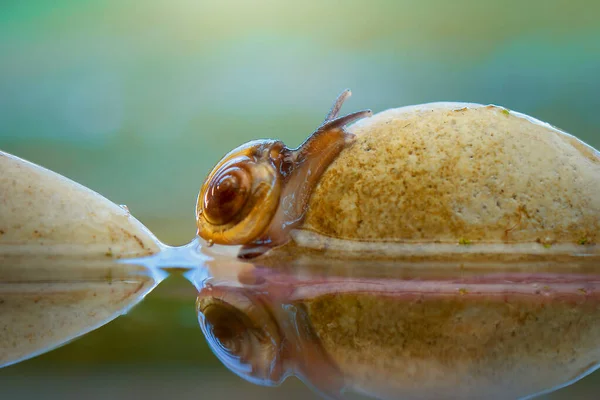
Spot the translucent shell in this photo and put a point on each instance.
(239, 198)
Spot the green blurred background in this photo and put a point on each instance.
(138, 99)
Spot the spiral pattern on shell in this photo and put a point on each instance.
(227, 194)
(238, 199)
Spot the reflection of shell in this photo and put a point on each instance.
(242, 333)
(459, 173)
(58, 278)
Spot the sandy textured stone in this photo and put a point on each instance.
(41, 211)
(454, 172)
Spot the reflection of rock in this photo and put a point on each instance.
(50, 309)
(451, 346)
(393, 334)
(58, 240)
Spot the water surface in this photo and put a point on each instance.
(381, 328)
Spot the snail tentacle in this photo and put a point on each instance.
(337, 106)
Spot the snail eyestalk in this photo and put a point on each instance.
(337, 106)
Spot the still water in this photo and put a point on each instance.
(383, 329)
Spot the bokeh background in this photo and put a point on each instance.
(137, 99)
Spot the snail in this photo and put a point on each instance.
(436, 176)
(258, 192)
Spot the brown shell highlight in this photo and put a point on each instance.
(261, 196)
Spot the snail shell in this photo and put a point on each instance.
(241, 194)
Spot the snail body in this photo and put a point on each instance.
(433, 174)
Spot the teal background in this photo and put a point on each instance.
(138, 99)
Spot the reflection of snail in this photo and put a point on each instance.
(390, 336)
(440, 173)
(262, 341)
